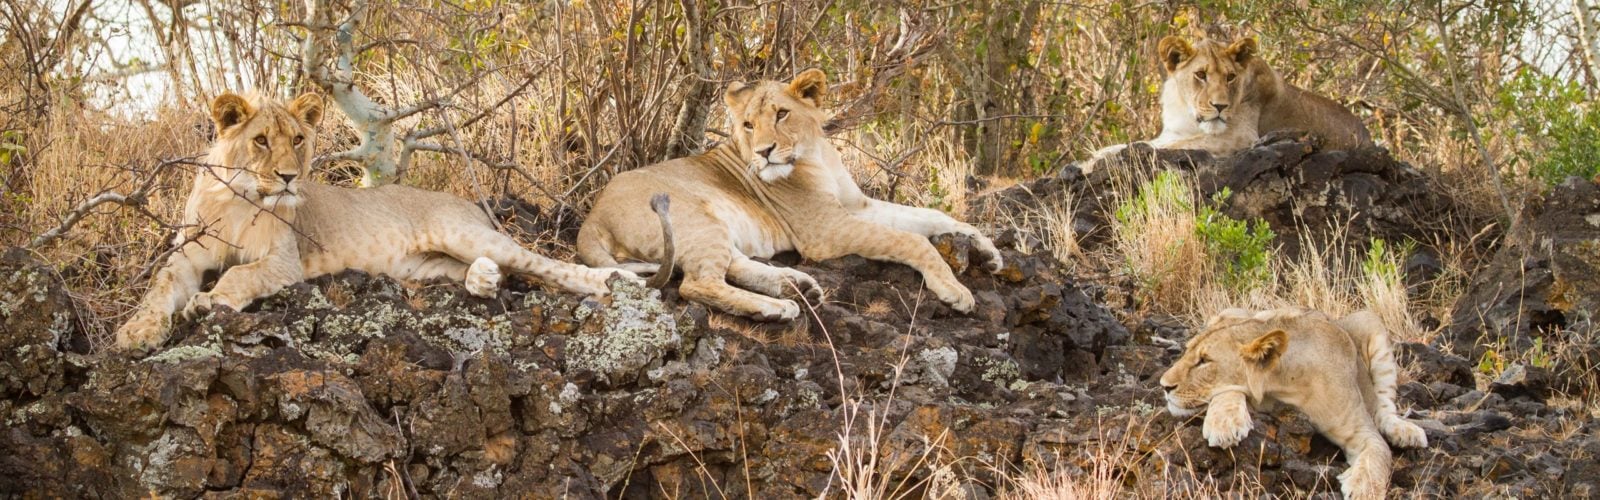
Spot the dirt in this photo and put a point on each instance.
(360, 386)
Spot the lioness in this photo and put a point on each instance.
(1340, 373)
(777, 184)
(253, 212)
(1220, 97)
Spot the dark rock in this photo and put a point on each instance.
(37, 323)
(1545, 284)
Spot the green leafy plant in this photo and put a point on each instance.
(1239, 248)
(1558, 115)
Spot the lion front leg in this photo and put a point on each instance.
(1352, 429)
(849, 235)
(1227, 420)
(243, 284)
(928, 223)
(170, 289)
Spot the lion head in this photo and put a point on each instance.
(1211, 79)
(264, 146)
(1233, 353)
(777, 123)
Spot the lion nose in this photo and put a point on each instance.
(287, 178)
(766, 152)
(1168, 385)
(1220, 107)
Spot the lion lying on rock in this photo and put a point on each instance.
(1340, 373)
(254, 213)
(777, 184)
(1220, 97)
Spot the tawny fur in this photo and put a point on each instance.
(259, 218)
(1220, 97)
(1340, 373)
(776, 185)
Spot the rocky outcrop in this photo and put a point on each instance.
(361, 386)
(1542, 287)
(1303, 192)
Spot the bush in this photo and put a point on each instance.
(1556, 114)
(1175, 249)
(1238, 248)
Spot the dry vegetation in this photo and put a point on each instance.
(547, 100)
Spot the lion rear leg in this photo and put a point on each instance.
(772, 280)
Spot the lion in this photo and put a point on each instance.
(254, 212)
(775, 185)
(1221, 97)
(1341, 373)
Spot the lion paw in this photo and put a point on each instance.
(991, 255)
(959, 297)
(199, 303)
(483, 278)
(1404, 434)
(1359, 482)
(808, 287)
(1223, 429)
(777, 310)
(145, 330)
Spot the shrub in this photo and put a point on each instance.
(1238, 248)
(1556, 114)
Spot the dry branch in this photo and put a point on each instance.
(136, 199)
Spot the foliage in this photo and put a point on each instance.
(1174, 246)
(1241, 249)
(1562, 120)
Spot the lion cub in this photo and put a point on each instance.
(1340, 373)
(254, 212)
(777, 184)
(1220, 97)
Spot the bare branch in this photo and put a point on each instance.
(137, 198)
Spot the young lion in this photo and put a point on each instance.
(1219, 97)
(259, 217)
(1340, 373)
(775, 185)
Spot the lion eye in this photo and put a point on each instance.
(1201, 75)
(298, 139)
(261, 140)
(1203, 360)
(1231, 76)
(783, 113)
(749, 126)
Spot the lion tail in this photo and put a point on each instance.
(660, 203)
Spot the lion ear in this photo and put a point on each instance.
(1174, 50)
(1265, 350)
(1242, 50)
(308, 108)
(734, 89)
(809, 85)
(229, 109)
